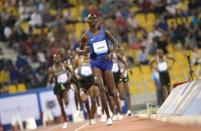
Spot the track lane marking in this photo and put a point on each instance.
(79, 128)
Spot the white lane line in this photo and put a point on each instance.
(81, 127)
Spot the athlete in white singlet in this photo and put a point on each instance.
(60, 74)
(162, 66)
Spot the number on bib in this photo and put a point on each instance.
(162, 66)
(86, 71)
(100, 47)
(62, 78)
(115, 67)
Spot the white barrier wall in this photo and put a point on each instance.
(30, 104)
(183, 100)
(25, 106)
(48, 101)
(194, 107)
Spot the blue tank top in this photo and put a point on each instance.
(98, 44)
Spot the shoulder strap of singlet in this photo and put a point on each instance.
(165, 58)
(89, 34)
(157, 58)
(63, 67)
(115, 55)
(54, 68)
(102, 28)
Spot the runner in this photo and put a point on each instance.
(118, 79)
(125, 79)
(87, 87)
(95, 41)
(60, 74)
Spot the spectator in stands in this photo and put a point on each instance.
(21, 62)
(85, 12)
(7, 32)
(198, 38)
(171, 9)
(196, 19)
(1, 55)
(14, 75)
(143, 56)
(162, 24)
(132, 22)
(162, 43)
(189, 41)
(196, 57)
(133, 38)
(182, 8)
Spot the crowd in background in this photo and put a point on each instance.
(35, 49)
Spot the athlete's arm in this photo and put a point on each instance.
(50, 75)
(75, 63)
(67, 66)
(173, 61)
(112, 39)
(70, 71)
(83, 49)
(152, 62)
(120, 58)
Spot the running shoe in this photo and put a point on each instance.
(109, 121)
(92, 121)
(103, 118)
(129, 113)
(114, 117)
(120, 117)
(65, 125)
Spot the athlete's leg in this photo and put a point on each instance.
(127, 92)
(98, 74)
(93, 93)
(88, 109)
(109, 79)
(84, 99)
(83, 95)
(121, 90)
(98, 99)
(60, 101)
(66, 97)
(165, 91)
(78, 101)
(110, 101)
(116, 99)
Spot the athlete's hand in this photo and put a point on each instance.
(122, 76)
(87, 49)
(79, 77)
(49, 85)
(108, 56)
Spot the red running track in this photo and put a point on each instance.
(127, 124)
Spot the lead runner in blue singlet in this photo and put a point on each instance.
(95, 42)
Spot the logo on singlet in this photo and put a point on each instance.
(92, 39)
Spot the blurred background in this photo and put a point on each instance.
(31, 31)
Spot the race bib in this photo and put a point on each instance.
(86, 71)
(162, 66)
(115, 67)
(125, 74)
(62, 78)
(100, 47)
